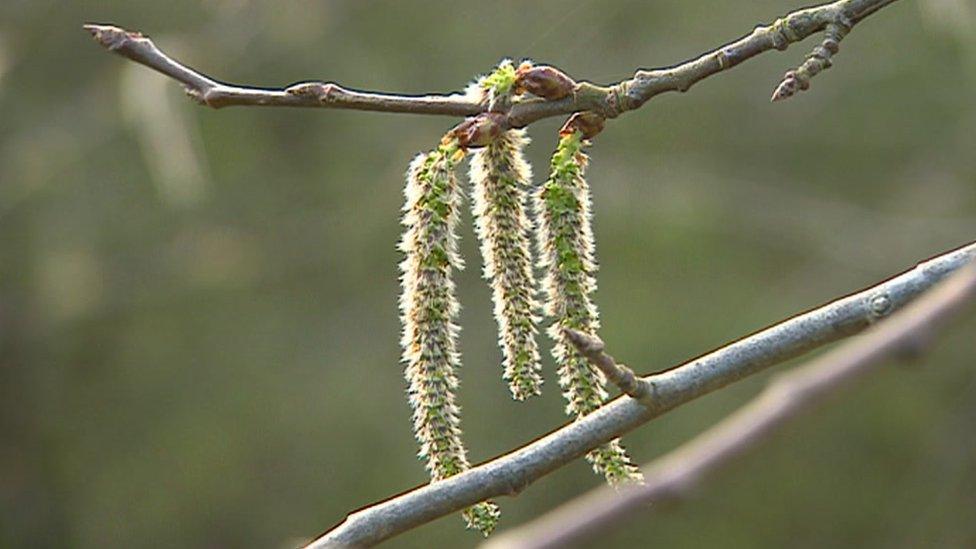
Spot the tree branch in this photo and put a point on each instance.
(210, 92)
(670, 476)
(512, 472)
(608, 101)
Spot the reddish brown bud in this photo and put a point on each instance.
(588, 123)
(542, 80)
(478, 131)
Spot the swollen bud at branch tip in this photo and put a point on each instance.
(478, 131)
(543, 80)
(588, 123)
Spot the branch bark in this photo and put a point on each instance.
(609, 101)
(512, 472)
(674, 474)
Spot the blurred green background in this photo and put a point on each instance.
(198, 308)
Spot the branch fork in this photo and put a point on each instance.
(817, 60)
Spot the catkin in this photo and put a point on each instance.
(501, 178)
(428, 310)
(566, 255)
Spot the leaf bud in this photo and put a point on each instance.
(478, 131)
(588, 123)
(544, 81)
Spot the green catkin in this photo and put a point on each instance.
(497, 86)
(566, 254)
(501, 178)
(428, 310)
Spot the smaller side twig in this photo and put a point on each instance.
(592, 347)
(670, 476)
(818, 60)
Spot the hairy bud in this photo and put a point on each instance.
(500, 80)
(543, 80)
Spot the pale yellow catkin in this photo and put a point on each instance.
(428, 310)
(500, 179)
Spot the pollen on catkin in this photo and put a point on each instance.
(566, 255)
(428, 309)
(501, 177)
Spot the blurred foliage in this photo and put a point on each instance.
(198, 308)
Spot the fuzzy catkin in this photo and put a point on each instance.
(428, 310)
(566, 255)
(501, 177)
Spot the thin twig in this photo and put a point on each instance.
(512, 472)
(593, 348)
(609, 101)
(669, 477)
(210, 92)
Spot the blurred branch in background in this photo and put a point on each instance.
(169, 141)
(670, 477)
(512, 472)
(836, 18)
(4, 61)
(787, 216)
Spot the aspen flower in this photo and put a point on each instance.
(566, 255)
(500, 179)
(428, 309)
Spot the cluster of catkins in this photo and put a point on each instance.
(502, 192)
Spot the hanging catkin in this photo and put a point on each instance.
(566, 254)
(428, 311)
(500, 178)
